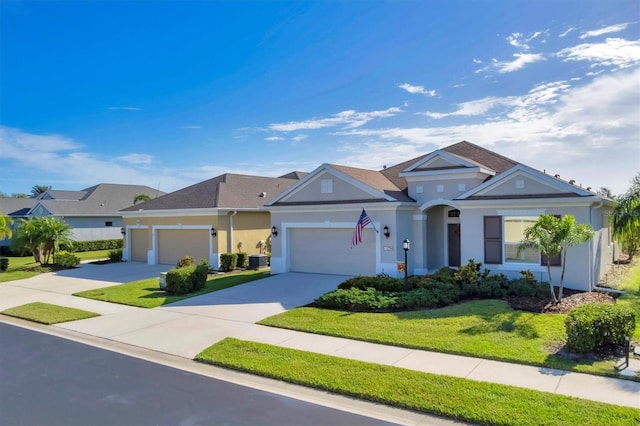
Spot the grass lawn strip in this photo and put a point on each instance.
(147, 294)
(631, 285)
(25, 267)
(45, 313)
(482, 328)
(463, 399)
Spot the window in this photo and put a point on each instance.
(492, 239)
(520, 184)
(419, 189)
(108, 223)
(440, 188)
(462, 187)
(514, 227)
(326, 186)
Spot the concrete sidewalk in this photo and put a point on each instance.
(188, 328)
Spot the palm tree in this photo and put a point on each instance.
(625, 219)
(5, 229)
(39, 189)
(141, 198)
(41, 236)
(553, 236)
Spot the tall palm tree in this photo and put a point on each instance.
(553, 236)
(42, 235)
(625, 220)
(39, 189)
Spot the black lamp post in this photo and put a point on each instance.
(406, 245)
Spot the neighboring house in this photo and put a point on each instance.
(16, 209)
(93, 213)
(457, 203)
(220, 215)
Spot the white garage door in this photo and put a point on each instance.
(139, 244)
(328, 251)
(174, 244)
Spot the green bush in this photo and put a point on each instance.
(80, 246)
(357, 300)
(228, 261)
(65, 259)
(199, 277)
(4, 263)
(185, 261)
(187, 279)
(598, 325)
(115, 255)
(242, 260)
(380, 282)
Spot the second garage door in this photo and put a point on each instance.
(328, 251)
(174, 244)
(139, 246)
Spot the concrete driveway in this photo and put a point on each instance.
(259, 299)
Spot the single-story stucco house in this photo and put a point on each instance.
(93, 213)
(457, 203)
(16, 209)
(220, 215)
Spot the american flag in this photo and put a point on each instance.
(357, 233)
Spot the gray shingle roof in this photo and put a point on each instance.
(376, 180)
(226, 191)
(16, 206)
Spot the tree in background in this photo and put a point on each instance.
(41, 236)
(39, 189)
(553, 236)
(625, 219)
(141, 198)
(5, 229)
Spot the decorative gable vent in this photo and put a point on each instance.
(520, 184)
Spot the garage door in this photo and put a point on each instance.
(139, 244)
(174, 244)
(328, 251)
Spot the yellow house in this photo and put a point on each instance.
(221, 215)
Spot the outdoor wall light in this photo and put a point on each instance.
(123, 231)
(214, 233)
(274, 231)
(406, 245)
(385, 232)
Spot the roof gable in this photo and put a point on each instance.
(440, 160)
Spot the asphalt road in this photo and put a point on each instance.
(46, 380)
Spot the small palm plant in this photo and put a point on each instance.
(553, 236)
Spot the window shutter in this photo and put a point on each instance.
(493, 239)
(555, 260)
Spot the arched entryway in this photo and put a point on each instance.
(443, 236)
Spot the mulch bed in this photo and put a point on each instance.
(571, 299)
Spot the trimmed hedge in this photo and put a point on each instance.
(228, 261)
(4, 263)
(243, 260)
(445, 287)
(187, 279)
(80, 246)
(598, 325)
(115, 255)
(65, 259)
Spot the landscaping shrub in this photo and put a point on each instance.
(115, 255)
(418, 298)
(228, 261)
(242, 260)
(380, 282)
(4, 263)
(185, 261)
(65, 259)
(187, 279)
(80, 246)
(598, 325)
(357, 300)
(523, 287)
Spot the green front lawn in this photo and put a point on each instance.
(147, 294)
(45, 313)
(25, 267)
(462, 399)
(481, 328)
(631, 285)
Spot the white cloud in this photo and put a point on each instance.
(616, 52)
(14, 143)
(606, 30)
(124, 108)
(417, 89)
(191, 127)
(136, 158)
(274, 138)
(565, 33)
(299, 138)
(348, 119)
(520, 61)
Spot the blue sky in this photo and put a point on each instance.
(170, 93)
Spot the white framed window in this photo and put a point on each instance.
(440, 188)
(326, 186)
(513, 232)
(419, 189)
(462, 187)
(520, 184)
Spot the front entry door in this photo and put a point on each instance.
(453, 238)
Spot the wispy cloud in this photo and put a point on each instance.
(347, 119)
(124, 108)
(274, 138)
(520, 61)
(606, 30)
(191, 127)
(136, 158)
(616, 52)
(566, 32)
(417, 89)
(520, 41)
(14, 142)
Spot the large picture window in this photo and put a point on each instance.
(514, 227)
